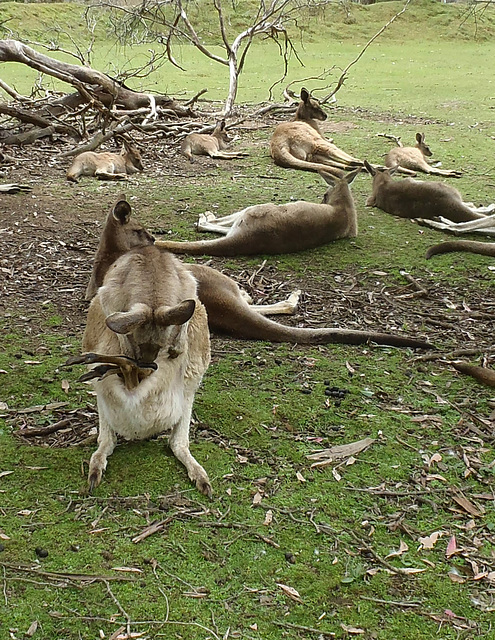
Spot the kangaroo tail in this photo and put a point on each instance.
(229, 313)
(470, 246)
(217, 247)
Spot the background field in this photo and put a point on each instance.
(215, 569)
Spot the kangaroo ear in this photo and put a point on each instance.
(222, 125)
(392, 170)
(420, 137)
(179, 314)
(329, 178)
(349, 177)
(371, 170)
(122, 211)
(125, 322)
(304, 95)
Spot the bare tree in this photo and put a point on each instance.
(271, 21)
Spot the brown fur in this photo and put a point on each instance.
(274, 229)
(413, 158)
(203, 144)
(106, 165)
(228, 311)
(300, 145)
(409, 198)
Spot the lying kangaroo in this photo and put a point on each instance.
(227, 307)
(413, 158)
(469, 246)
(273, 229)
(409, 198)
(203, 144)
(299, 144)
(147, 323)
(106, 165)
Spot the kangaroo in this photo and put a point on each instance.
(147, 323)
(203, 144)
(273, 229)
(469, 246)
(228, 308)
(106, 166)
(299, 144)
(409, 198)
(413, 158)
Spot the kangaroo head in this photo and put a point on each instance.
(132, 155)
(339, 191)
(120, 234)
(220, 133)
(381, 176)
(309, 108)
(422, 146)
(147, 331)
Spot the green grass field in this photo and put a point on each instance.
(283, 550)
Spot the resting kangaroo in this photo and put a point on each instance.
(409, 198)
(227, 307)
(469, 246)
(273, 229)
(106, 165)
(147, 323)
(203, 144)
(414, 158)
(299, 144)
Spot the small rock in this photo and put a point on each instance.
(41, 553)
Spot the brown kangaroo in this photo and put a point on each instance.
(203, 144)
(227, 307)
(147, 323)
(409, 198)
(413, 158)
(273, 229)
(469, 246)
(299, 144)
(106, 165)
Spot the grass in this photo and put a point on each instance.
(218, 566)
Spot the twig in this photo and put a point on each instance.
(343, 76)
(55, 575)
(378, 558)
(121, 609)
(394, 603)
(44, 431)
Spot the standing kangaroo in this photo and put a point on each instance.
(106, 165)
(273, 229)
(409, 198)
(203, 144)
(147, 324)
(413, 158)
(299, 144)
(226, 304)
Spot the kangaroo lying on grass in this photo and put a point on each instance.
(413, 158)
(146, 324)
(106, 165)
(299, 144)
(203, 144)
(226, 304)
(409, 198)
(469, 246)
(273, 229)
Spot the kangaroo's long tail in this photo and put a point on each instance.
(470, 246)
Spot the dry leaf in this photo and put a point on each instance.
(465, 504)
(5, 473)
(451, 547)
(326, 457)
(24, 512)
(436, 457)
(257, 498)
(290, 591)
(65, 386)
(127, 569)
(455, 576)
(352, 630)
(336, 475)
(268, 518)
(33, 627)
(428, 542)
(300, 477)
(402, 549)
(4, 536)
(411, 570)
